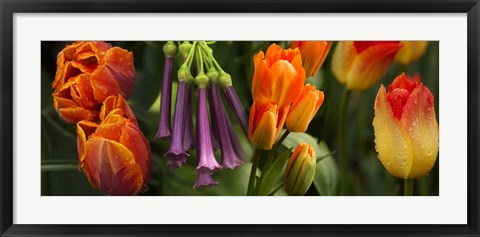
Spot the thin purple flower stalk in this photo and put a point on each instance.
(188, 137)
(176, 153)
(236, 107)
(206, 159)
(204, 180)
(215, 135)
(229, 158)
(164, 131)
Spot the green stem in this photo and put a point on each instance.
(344, 162)
(59, 167)
(253, 172)
(408, 187)
(275, 190)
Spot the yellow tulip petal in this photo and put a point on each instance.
(264, 134)
(420, 120)
(411, 51)
(342, 60)
(391, 139)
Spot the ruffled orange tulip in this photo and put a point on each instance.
(359, 64)
(114, 155)
(87, 73)
(411, 51)
(313, 54)
(304, 109)
(277, 81)
(406, 128)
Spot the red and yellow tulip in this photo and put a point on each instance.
(411, 51)
(277, 81)
(114, 155)
(406, 128)
(359, 64)
(87, 73)
(304, 108)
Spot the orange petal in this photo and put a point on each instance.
(420, 120)
(392, 142)
(74, 114)
(304, 109)
(263, 132)
(104, 84)
(134, 140)
(84, 130)
(112, 167)
(116, 102)
(120, 63)
(286, 83)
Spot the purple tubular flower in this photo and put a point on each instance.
(206, 159)
(237, 146)
(237, 107)
(164, 131)
(188, 139)
(214, 122)
(229, 158)
(204, 180)
(176, 154)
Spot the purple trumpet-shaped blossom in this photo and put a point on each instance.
(237, 146)
(164, 131)
(188, 138)
(176, 154)
(237, 107)
(204, 180)
(229, 158)
(206, 159)
(215, 135)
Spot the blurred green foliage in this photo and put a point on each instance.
(59, 154)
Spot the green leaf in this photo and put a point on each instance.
(326, 174)
(270, 178)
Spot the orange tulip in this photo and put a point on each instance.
(406, 128)
(411, 51)
(304, 109)
(114, 155)
(278, 76)
(277, 81)
(360, 64)
(313, 54)
(265, 123)
(87, 73)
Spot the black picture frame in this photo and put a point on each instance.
(9, 7)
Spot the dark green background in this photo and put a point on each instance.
(60, 175)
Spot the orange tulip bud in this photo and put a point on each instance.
(278, 76)
(87, 73)
(313, 54)
(360, 64)
(114, 155)
(304, 109)
(406, 128)
(411, 51)
(300, 170)
(265, 123)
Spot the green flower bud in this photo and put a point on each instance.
(201, 80)
(184, 73)
(169, 49)
(184, 49)
(213, 75)
(300, 170)
(225, 79)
